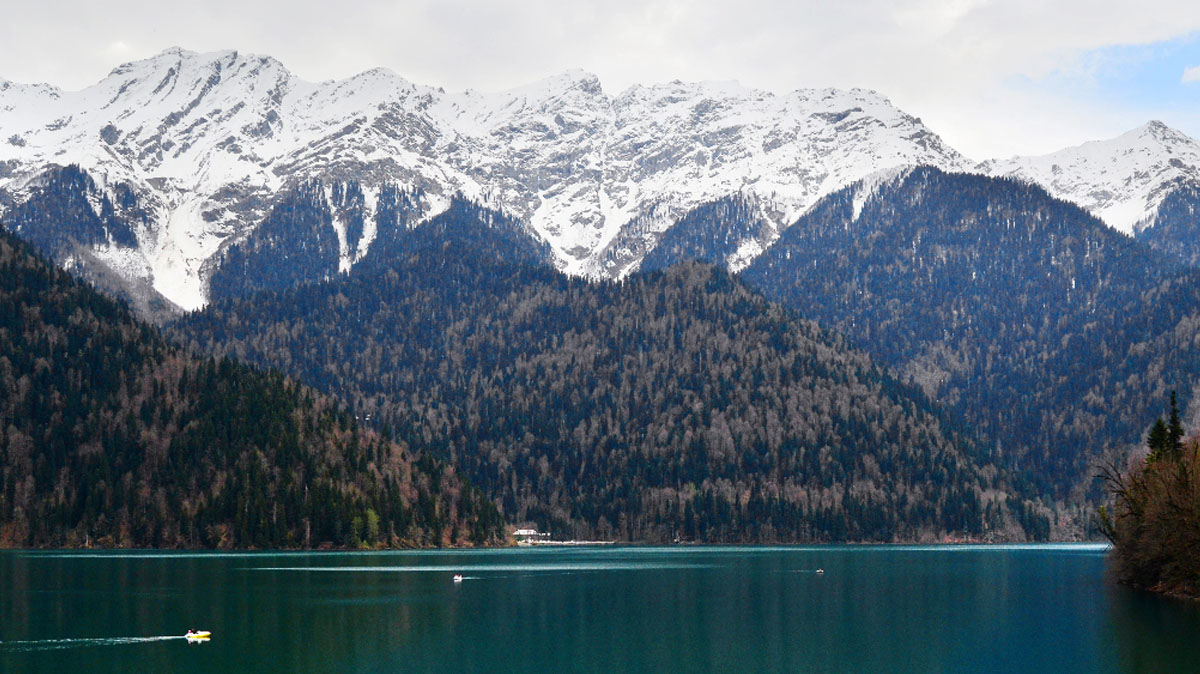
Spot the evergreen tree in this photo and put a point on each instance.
(1158, 440)
(1174, 430)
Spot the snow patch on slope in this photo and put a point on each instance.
(129, 263)
(869, 186)
(370, 226)
(746, 252)
(183, 246)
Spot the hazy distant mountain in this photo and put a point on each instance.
(204, 146)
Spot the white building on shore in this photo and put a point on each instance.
(530, 537)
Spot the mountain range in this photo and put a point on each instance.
(687, 311)
(187, 155)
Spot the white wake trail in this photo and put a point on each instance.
(61, 644)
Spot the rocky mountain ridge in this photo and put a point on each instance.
(198, 151)
(206, 141)
(1123, 180)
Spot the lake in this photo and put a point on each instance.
(1045, 608)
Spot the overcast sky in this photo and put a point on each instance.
(994, 78)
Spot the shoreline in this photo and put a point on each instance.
(575, 543)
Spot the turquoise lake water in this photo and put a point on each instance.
(633, 609)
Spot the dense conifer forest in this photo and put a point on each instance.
(297, 242)
(673, 405)
(1176, 226)
(110, 436)
(1045, 331)
(710, 233)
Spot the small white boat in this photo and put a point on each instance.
(458, 578)
(820, 570)
(193, 636)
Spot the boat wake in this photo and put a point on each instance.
(62, 644)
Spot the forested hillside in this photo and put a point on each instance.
(713, 232)
(671, 405)
(112, 437)
(315, 230)
(1176, 225)
(1036, 324)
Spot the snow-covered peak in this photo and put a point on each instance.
(1122, 180)
(556, 85)
(207, 140)
(481, 113)
(678, 90)
(10, 88)
(176, 77)
(23, 106)
(1161, 133)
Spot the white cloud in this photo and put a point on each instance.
(1191, 75)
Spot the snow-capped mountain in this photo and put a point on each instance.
(206, 142)
(1123, 181)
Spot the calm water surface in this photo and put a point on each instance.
(685, 609)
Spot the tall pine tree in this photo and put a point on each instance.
(1174, 430)
(1158, 440)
